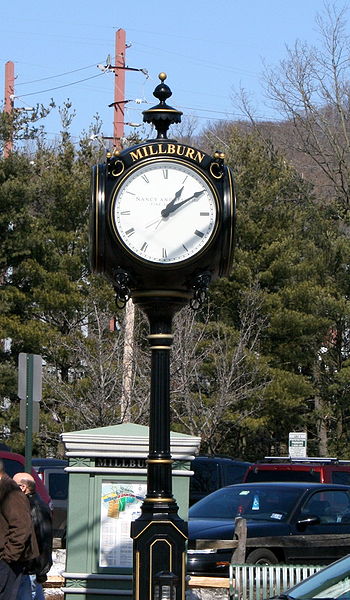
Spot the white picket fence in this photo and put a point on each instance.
(259, 582)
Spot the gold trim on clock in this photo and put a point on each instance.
(153, 336)
(167, 461)
(159, 500)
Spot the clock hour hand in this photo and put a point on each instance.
(172, 202)
(171, 207)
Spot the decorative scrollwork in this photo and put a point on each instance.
(121, 287)
(118, 168)
(200, 290)
(217, 167)
(216, 170)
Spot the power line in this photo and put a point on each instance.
(60, 86)
(227, 115)
(54, 76)
(198, 61)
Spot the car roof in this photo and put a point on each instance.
(48, 462)
(9, 454)
(305, 464)
(290, 484)
(219, 458)
(18, 458)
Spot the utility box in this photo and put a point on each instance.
(107, 483)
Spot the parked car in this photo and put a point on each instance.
(15, 463)
(320, 470)
(211, 473)
(331, 582)
(273, 511)
(52, 474)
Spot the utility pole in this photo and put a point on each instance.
(119, 88)
(118, 134)
(119, 69)
(9, 103)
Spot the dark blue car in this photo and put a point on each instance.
(280, 515)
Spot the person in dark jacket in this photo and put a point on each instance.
(42, 521)
(17, 538)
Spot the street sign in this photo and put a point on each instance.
(297, 444)
(29, 392)
(28, 363)
(23, 416)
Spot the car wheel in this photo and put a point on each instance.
(261, 556)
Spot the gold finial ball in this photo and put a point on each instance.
(222, 155)
(109, 154)
(162, 76)
(216, 154)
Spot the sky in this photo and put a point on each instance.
(209, 50)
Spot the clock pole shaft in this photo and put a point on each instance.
(159, 534)
(159, 459)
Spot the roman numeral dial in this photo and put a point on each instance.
(164, 212)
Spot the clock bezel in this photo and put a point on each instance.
(148, 163)
(97, 218)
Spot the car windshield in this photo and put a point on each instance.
(331, 582)
(251, 502)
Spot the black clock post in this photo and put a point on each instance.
(159, 534)
(162, 228)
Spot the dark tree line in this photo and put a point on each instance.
(269, 352)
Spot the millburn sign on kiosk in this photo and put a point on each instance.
(162, 229)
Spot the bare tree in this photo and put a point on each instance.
(217, 378)
(311, 90)
(217, 375)
(91, 393)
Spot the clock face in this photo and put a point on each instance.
(164, 212)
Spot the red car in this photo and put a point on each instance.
(15, 463)
(318, 470)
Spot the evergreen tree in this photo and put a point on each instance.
(287, 245)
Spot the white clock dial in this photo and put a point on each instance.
(164, 212)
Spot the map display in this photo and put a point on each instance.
(120, 504)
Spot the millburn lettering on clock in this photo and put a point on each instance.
(166, 148)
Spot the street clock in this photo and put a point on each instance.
(162, 217)
(162, 229)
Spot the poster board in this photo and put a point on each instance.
(120, 505)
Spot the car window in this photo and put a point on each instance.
(205, 478)
(331, 506)
(342, 477)
(58, 486)
(234, 473)
(280, 475)
(251, 503)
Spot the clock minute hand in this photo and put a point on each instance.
(172, 207)
(171, 203)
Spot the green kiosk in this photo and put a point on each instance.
(107, 484)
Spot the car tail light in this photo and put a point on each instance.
(222, 563)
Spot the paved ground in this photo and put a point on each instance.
(193, 593)
(207, 594)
